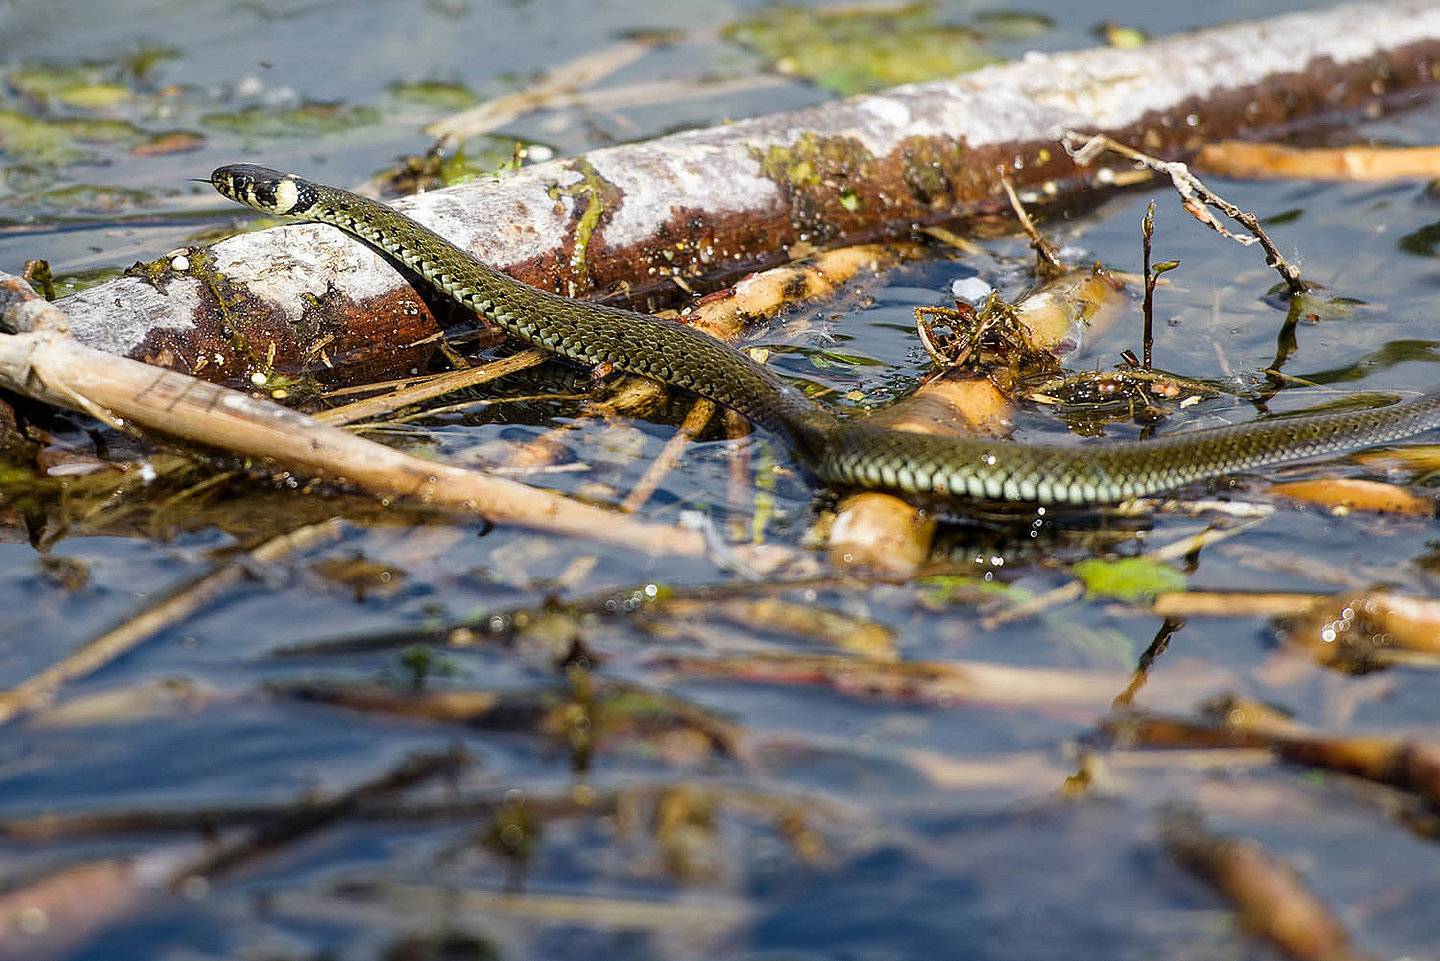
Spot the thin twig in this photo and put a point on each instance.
(306, 817)
(1158, 646)
(1196, 197)
(1049, 261)
(431, 387)
(1147, 340)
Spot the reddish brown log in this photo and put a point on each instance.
(702, 206)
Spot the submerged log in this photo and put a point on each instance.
(641, 223)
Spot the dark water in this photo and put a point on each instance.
(824, 820)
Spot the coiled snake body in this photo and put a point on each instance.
(840, 453)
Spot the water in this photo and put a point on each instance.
(659, 806)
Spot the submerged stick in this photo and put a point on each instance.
(1271, 898)
(39, 689)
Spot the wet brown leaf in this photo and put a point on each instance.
(1344, 494)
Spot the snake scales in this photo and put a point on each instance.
(840, 453)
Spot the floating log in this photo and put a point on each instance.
(644, 222)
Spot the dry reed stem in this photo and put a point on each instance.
(52, 916)
(1232, 603)
(708, 917)
(431, 387)
(1272, 161)
(1344, 495)
(562, 79)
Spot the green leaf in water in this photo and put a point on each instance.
(837, 360)
(964, 588)
(1125, 38)
(90, 85)
(86, 86)
(1128, 578)
(73, 283)
(1315, 304)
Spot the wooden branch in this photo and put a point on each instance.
(656, 218)
(40, 360)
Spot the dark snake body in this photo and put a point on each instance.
(840, 453)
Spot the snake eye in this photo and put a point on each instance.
(232, 181)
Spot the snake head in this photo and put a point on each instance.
(264, 189)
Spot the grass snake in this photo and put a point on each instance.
(842, 453)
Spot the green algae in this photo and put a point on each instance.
(96, 198)
(432, 94)
(89, 85)
(56, 141)
(814, 159)
(595, 192)
(76, 281)
(310, 119)
(858, 50)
